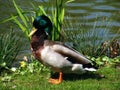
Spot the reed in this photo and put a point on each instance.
(24, 18)
(9, 49)
(86, 40)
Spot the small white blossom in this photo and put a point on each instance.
(13, 69)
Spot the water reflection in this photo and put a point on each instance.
(93, 15)
(78, 4)
(84, 11)
(105, 7)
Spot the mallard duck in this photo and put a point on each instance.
(57, 56)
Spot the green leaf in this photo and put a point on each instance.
(19, 11)
(7, 79)
(3, 64)
(62, 15)
(105, 58)
(42, 10)
(9, 19)
(19, 24)
(69, 1)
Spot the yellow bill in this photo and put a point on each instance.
(32, 32)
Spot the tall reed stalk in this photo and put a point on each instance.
(86, 40)
(24, 19)
(9, 49)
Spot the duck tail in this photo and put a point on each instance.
(90, 67)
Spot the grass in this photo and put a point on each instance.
(9, 49)
(88, 81)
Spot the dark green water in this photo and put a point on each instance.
(103, 12)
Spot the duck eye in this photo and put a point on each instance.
(43, 22)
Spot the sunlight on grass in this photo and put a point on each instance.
(39, 81)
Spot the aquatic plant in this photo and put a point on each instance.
(9, 49)
(24, 18)
(84, 39)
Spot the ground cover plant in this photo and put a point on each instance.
(89, 81)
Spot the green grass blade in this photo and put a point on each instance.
(8, 19)
(62, 15)
(19, 24)
(20, 13)
(42, 10)
(69, 1)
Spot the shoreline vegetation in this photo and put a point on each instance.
(31, 75)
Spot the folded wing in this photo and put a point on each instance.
(69, 52)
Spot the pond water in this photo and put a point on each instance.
(86, 12)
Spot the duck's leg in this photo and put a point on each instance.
(56, 81)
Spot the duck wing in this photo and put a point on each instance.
(68, 52)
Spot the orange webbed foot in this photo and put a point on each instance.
(56, 81)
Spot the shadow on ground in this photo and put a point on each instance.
(71, 77)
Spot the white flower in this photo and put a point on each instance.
(13, 69)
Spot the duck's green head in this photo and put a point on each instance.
(42, 23)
